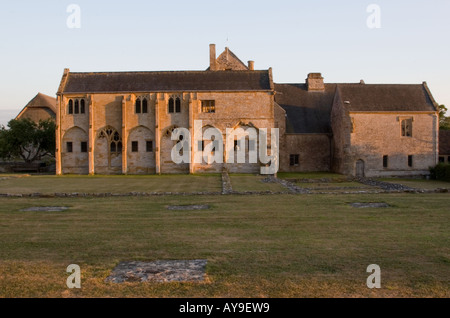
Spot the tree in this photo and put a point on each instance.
(444, 121)
(27, 139)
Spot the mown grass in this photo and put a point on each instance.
(256, 246)
(112, 184)
(324, 185)
(250, 182)
(311, 175)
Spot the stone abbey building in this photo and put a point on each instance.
(121, 122)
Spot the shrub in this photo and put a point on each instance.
(440, 172)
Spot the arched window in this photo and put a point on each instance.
(138, 106)
(178, 105)
(113, 140)
(144, 106)
(70, 106)
(171, 105)
(82, 107)
(77, 106)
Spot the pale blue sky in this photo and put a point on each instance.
(293, 37)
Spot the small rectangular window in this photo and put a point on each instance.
(69, 146)
(294, 160)
(208, 106)
(407, 127)
(83, 146)
(410, 161)
(385, 161)
(134, 146)
(352, 130)
(149, 146)
(442, 159)
(448, 159)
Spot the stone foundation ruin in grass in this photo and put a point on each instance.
(188, 207)
(370, 205)
(45, 209)
(159, 271)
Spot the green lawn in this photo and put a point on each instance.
(251, 182)
(312, 175)
(334, 187)
(112, 184)
(256, 246)
(320, 185)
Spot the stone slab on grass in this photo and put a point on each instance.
(370, 205)
(189, 207)
(159, 271)
(45, 209)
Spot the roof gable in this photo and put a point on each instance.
(229, 61)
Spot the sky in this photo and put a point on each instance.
(399, 42)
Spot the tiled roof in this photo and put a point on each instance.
(167, 81)
(307, 112)
(310, 111)
(385, 97)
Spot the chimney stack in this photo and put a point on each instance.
(251, 65)
(212, 57)
(314, 82)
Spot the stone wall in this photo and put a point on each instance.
(75, 162)
(233, 111)
(115, 112)
(375, 136)
(141, 161)
(341, 127)
(357, 137)
(313, 150)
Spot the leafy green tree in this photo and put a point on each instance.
(444, 121)
(27, 140)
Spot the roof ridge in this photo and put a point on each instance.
(380, 84)
(169, 72)
(356, 84)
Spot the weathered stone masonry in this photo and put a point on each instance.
(121, 123)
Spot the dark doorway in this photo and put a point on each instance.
(360, 169)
